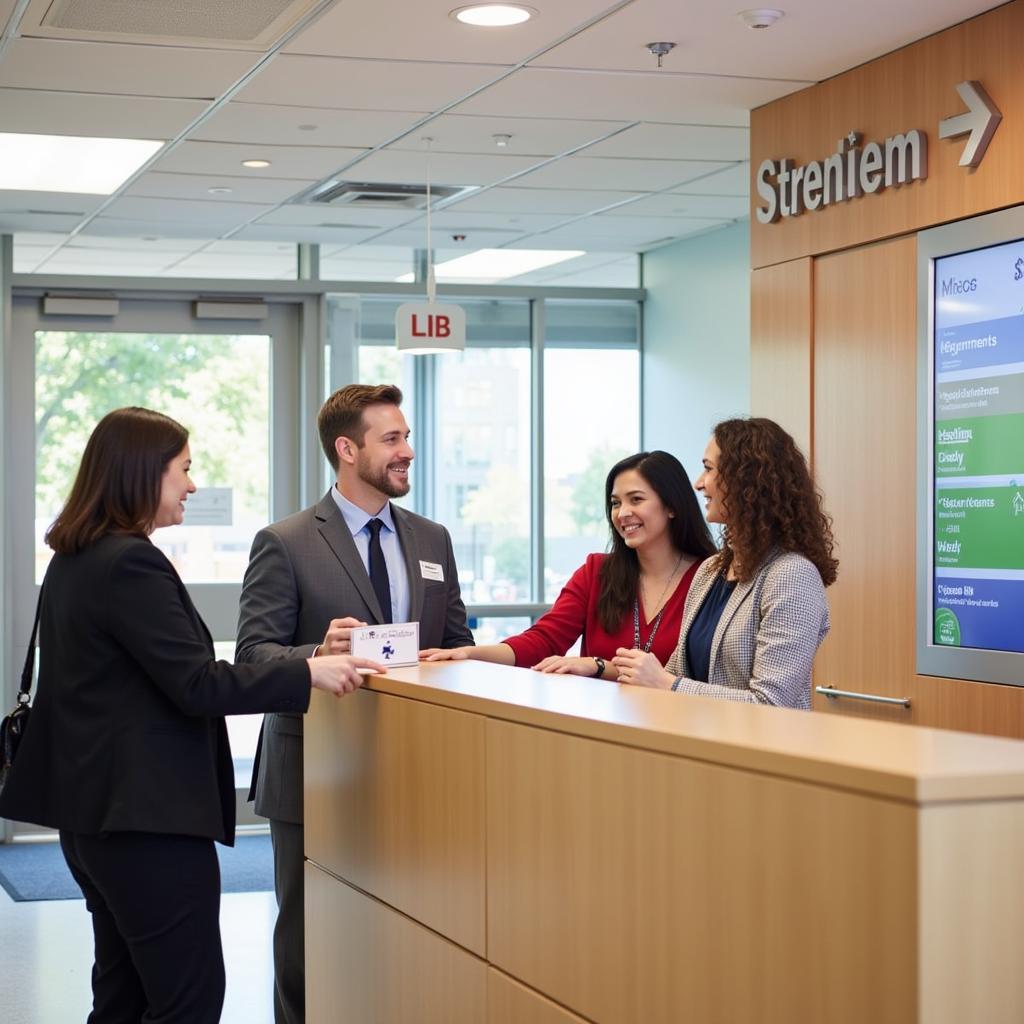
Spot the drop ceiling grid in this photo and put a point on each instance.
(673, 98)
(121, 68)
(175, 185)
(91, 114)
(308, 126)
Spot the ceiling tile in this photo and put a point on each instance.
(478, 240)
(363, 84)
(219, 216)
(568, 201)
(309, 163)
(813, 41)
(124, 117)
(324, 235)
(197, 186)
(397, 29)
(671, 98)
(139, 243)
(315, 215)
(115, 227)
(406, 167)
(734, 181)
(677, 142)
(669, 204)
(323, 126)
(13, 221)
(608, 173)
(455, 220)
(539, 137)
(126, 70)
(18, 201)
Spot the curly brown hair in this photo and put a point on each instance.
(770, 499)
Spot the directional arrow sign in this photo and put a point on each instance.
(981, 120)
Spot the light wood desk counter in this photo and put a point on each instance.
(488, 844)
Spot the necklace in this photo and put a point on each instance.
(657, 618)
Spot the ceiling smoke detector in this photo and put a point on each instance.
(760, 17)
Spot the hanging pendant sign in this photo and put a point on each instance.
(430, 327)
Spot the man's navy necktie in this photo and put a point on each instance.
(379, 570)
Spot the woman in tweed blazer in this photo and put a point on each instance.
(756, 613)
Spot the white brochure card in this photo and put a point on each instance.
(396, 643)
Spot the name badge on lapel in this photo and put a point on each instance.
(395, 644)
(431, 571)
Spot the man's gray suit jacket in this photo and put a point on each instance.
(305, 571)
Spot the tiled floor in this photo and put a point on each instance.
(46, 955)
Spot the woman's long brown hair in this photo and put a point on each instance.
(770, 500)
(117, 487)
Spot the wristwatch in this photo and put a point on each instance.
(599, 662)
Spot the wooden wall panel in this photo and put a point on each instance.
(865, 430)
(367, 964)
(412, 774)
(911, 88)
(632, 886)
(781, 347)
(509, 1002)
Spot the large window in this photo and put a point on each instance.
(480, 467)
(217, 386)
(591, 420)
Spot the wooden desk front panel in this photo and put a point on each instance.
(367, 964)
(395, 804)
(632, 886)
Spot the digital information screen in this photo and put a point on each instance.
(978, 449)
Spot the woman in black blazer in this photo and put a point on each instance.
(127, 752)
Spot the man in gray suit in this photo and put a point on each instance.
(352, 559)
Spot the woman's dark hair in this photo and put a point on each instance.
(620, 571)
(117, 488)
(769, 498)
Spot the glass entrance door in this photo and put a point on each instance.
(231, 383)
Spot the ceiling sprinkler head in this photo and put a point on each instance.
(760, 17)
(660, 49)
(502, 140)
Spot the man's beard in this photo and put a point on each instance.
(382, 481)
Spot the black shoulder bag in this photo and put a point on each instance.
(13, 726)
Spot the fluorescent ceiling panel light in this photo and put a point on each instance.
(70, 163)
(499, 264)
(493, 15)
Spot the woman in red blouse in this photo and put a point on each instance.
(631, 597)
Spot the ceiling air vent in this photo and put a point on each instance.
(380, 195)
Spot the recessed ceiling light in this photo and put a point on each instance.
(255, 164)
(493, 15)
(219, 190)
(70, 163)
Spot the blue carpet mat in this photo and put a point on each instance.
(37, 871)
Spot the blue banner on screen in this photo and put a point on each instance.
(978, 450)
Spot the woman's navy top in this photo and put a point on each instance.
(702, 629)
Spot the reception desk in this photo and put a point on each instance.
(487, 845)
